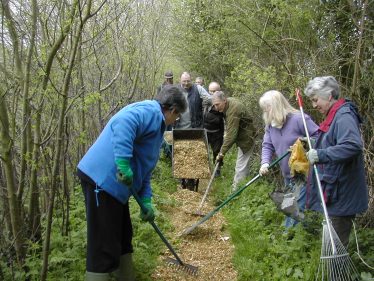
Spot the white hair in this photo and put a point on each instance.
(219, 95)
(323, 87)
(276, 108)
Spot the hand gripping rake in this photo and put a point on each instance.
(231, 197)
(335, 263)
(177, 262)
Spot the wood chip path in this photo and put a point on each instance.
(208, 247)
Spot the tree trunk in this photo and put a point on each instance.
(6, 145)
(59, 139)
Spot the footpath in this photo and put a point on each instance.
(208, 247)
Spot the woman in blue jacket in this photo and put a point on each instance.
(338, 153)
(125, 153)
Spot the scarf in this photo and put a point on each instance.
(325, 125)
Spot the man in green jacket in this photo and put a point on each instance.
(239, 129)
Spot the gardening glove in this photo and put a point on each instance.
(219, 158)
(124, 172)
(150, 214)
(312, 156)
(264, 169)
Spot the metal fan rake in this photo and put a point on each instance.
(335, 263)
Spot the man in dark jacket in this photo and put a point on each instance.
(214, 125)
(197, 98)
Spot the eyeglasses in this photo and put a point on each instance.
(178, 115)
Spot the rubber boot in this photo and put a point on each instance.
(93, 276)
(125, 272)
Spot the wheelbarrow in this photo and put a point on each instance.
(190, 157)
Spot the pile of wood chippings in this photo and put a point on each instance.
(207, 247)
(190, 159)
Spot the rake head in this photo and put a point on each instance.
(197, 213)
(335, 262)
(190, 269)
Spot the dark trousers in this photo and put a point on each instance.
(215, 141)
(109, 229)
(343, 227)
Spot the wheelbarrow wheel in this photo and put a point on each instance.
(196, 185)
(192, 184)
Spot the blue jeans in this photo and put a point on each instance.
(301, 201)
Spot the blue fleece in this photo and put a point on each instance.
(135, 133)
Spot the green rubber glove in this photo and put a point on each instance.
(150, 215)
(124, 174)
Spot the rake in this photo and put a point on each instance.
(335, 263)
(231, 197)
(177, 262)
(198, 212)
(338, 266)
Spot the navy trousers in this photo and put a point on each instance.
(109, 228)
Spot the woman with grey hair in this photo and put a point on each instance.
(338, 154)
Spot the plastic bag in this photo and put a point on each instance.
(298, 161)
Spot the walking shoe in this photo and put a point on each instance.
(217, 174)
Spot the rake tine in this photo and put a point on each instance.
(190, 269)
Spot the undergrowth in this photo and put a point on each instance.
(263, 249)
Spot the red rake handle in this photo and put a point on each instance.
(329, 226)
(298, 96)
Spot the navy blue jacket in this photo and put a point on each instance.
(341, 166)
(195, 103)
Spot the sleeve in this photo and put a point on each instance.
(267, 147)
(205, 96)
(232, 129)
(125, 129)
(222, 123)
(312, 127)
(347, 139)
(146, 190)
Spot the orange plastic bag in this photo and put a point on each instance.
(298, 161)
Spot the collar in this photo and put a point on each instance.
(226, 106)
(325, 125)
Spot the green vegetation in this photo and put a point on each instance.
(263, 250)
(67, 66)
